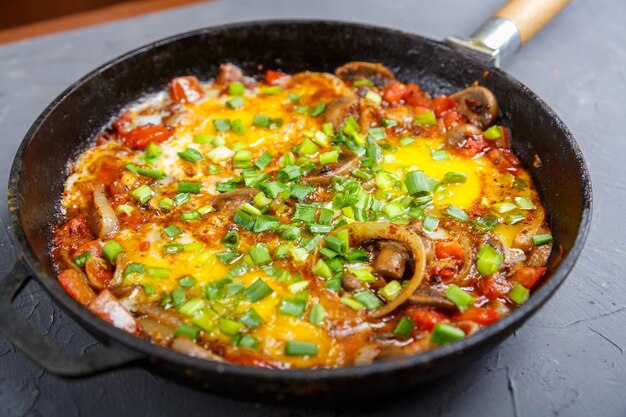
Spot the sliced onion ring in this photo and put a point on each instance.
(362, 231)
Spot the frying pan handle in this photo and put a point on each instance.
(44, 354)
(508, 29)
(530, 16)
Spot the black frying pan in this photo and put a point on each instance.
(72, 121)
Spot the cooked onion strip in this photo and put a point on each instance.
(360, 232)
(107, 221)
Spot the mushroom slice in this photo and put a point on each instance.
(338, 109)
(229, 202)
(364, 231)
(458, 135)
(378, 74)
(478, 104)
(538, 255)
(347, 162)
(390, 262)
(430, 298)
(524, 238)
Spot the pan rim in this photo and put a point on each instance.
(97, 326)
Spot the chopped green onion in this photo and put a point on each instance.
(238, 127)
(293, 97)
(542, 239)
(142, 194)
(317, 109)
(430, 223)
(519, 294)
(273, 90)
(251, 319)
(189, 187)
(244, 220)
(81, 259)
(292, 307)
(404, 327)
(516, 218)
(264, 223)
(417, 183)
(439, 155)
(290, 172)
(190, 155)
(133, 268)
(173, 248)
(394, 209)
(525, 203)
(460, 298)
(296, 348)
(257, 291)
(235, 102)
(190, 215)
(391, 290)
(317, 314)
(373, 97)
(236, 89)
(362, 274)
(178, 297)
(191, 307)
(362, 83)
(299, 255)
(485, 223)
(503, 207)
(456, 213)
(230, 327)
(190, 332)
(368, 299)
(493, 133)
(157, 272)
(149, 289)
(406, 141)
(111, 250)
(187, 281)
(300, 191)
(454, 178)
(181, 198)
(304, 212)
(166, 203)
(329, 157)
(204, 139)
(222, 124)
(307, 147)
(319, 228)
(388, 122)
(249, 342)
(321, 269)
(426, 118)
(263, 160)
(353, 304)
(260, 254)
(260, 120)
(444, 333)
(250, 209)
(488, 259)
(152, 173)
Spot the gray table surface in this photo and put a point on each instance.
(567, 360)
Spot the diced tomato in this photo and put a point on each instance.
(480, 315)
(186, 89)
(449, 249)
(442, 104)
(529, 275)
(472, 147)
(452, 118)
(495, 286)
(413, 96)
(394, 93)
(445, 271)
(141, 136)
(108, 307)
(94, 246)
(249, 360)
(425, 319)
(272, 76)
(75, 286)
(504, 160)
(122, 125)
(107, 173)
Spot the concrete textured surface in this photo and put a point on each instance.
(568, 360)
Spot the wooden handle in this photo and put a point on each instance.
(530, 16)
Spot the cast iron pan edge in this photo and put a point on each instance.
(315, 380)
